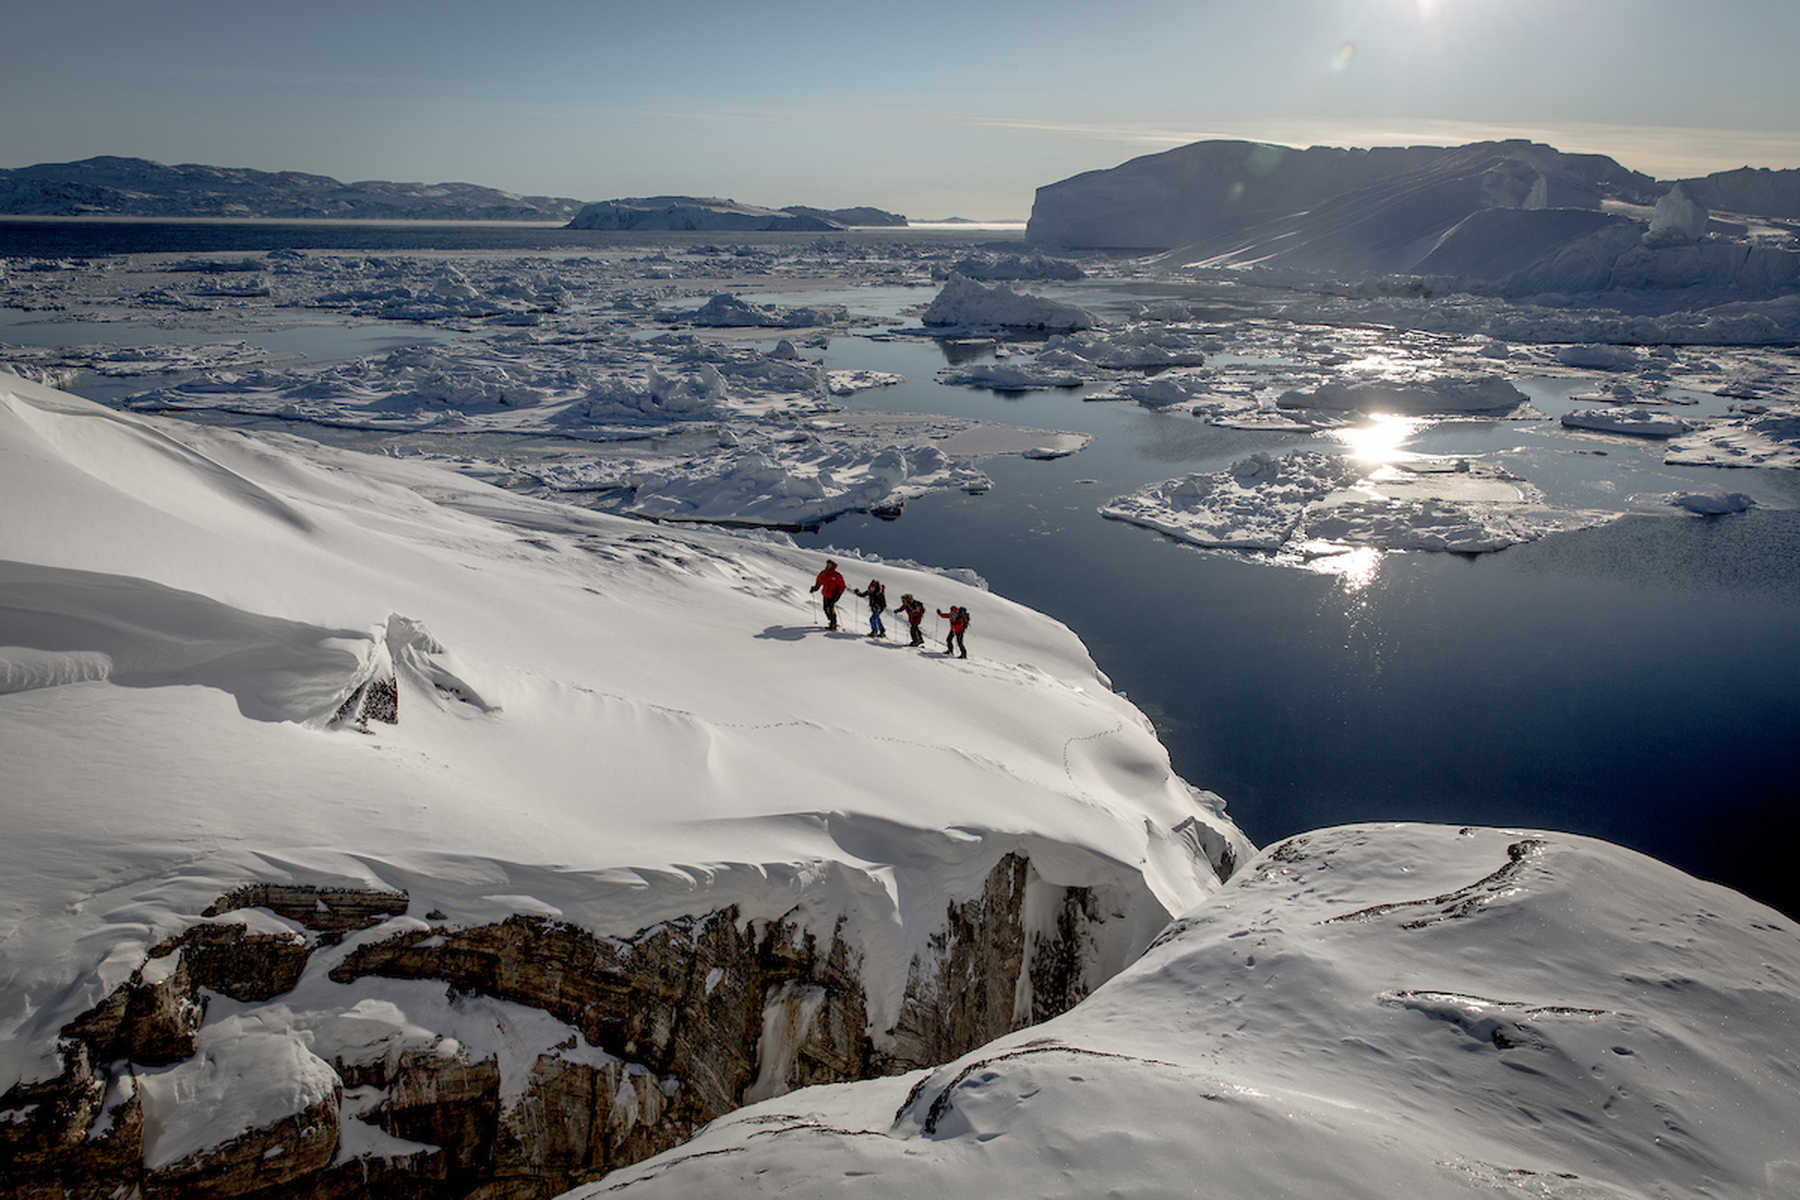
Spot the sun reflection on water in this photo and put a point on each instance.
(1379, 440)
(1355, 568)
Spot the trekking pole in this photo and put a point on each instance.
(812, 603)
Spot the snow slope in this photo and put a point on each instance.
(599, 721)
(1363, 1012)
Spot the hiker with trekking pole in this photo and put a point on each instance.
(958, 616)
(876, 595)
(830, 585)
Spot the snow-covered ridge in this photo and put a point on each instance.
(601, 726)
(1364, 1012)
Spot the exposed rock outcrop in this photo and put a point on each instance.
(670, 1028)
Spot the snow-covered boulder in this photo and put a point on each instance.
(1365, 1012)
(965, 304)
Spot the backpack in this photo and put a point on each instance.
(965, 616)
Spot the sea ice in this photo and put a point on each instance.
(1490, 394)
(1636, 422)
(966, 304)
(1255, 505)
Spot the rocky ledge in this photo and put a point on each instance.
(667, 1029)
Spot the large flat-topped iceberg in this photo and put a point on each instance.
(1215, 189)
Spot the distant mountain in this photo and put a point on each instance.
(861, 215)
(710, 212)
(136, 187)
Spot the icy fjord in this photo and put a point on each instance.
(428, 773)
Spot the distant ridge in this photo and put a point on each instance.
(137, 187)
(711, 212)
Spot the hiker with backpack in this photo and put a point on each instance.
(958, 616)
(830, 585)
(876, 595)
(914, 608)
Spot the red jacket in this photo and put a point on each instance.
(830, 583)
(959, 620)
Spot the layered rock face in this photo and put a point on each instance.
(667, 1030)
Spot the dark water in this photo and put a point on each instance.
(1638, 682)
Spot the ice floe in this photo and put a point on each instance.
(965, 304)
(1310, 503)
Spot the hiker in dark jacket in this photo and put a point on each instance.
(876, 595)
(958, 616)
(914, 608)
(830, 585)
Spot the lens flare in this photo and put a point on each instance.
(1341, 60)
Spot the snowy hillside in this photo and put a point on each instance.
(1367, 1011)
(136, 187)
(668, 842)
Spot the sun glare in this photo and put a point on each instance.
(1379, 440)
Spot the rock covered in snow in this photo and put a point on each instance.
(965, 304)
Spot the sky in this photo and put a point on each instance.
(927, 108)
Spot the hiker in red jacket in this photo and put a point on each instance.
(830, 585)
(914, 608)
(958, 616)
